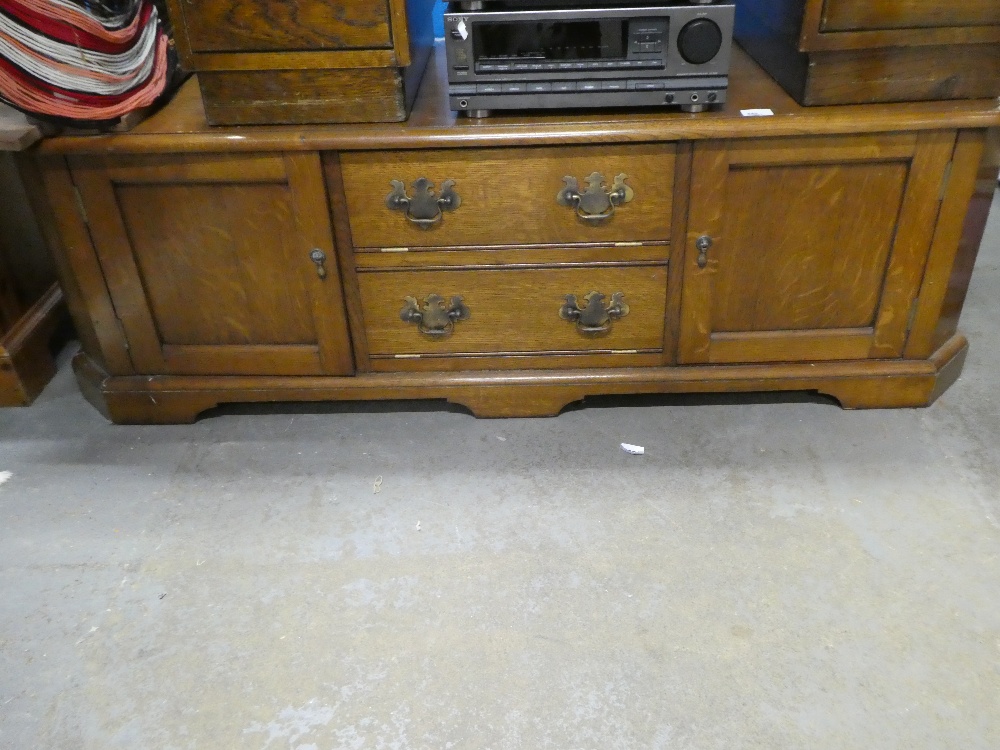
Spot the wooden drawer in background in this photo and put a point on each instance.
(827, 52)
(261, 62)
(262, 25)
(514, 311)
(866, 15)
(509, 197)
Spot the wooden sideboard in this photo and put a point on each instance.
(816, 249)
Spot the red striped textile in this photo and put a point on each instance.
(82, 61)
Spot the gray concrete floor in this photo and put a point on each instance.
(774, 573)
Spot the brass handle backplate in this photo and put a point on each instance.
(595, 316)
(436, 317)
(424, 208)
(595, 204)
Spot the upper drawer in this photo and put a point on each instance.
(511, 196)
(264, 25)
(866, 15)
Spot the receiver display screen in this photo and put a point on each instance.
(552, 40)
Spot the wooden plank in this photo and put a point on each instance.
(518, 360)
(903, 74)
(256, 359)
(346, 259)
(856, 384)
(790, 346)
(26, 362)
(917, 219)
(346, 59)
(117, 263)
(182, 127)
(312, 213)
(80, 271)
(708, 190)
(817, 149)
(545, 257)
(683, 178)
(263, 25)
(851, 15)
(265, 97)
(960, 229)
(198, 168)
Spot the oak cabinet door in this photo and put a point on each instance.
(808, 248)
(219, 264)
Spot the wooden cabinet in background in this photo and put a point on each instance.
(865, 51)
(517, 264)
(31, 302)
(265, 62)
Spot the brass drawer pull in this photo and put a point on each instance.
(596, 204)
(703, 244)
(318, 257)
(437, 317)
(425, 208)
(594, 317)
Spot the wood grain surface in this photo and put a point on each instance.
(400, 259)
(509, 196)
(902, 74)
(803, 264)
(840, 257)
(182, 126)
(209, 267)
(27, 362)
(525, 393)
(850, 15)
(514, 310)
(31, 303)
(261, 25)
(830, 52)
(252, 97)
(828, 266)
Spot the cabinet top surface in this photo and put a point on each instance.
(181, 127)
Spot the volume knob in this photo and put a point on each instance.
(700, 41)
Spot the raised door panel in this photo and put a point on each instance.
(267, 26)
(817, 246)
(865, 15)
(208, 262)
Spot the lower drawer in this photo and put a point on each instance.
(519, 315)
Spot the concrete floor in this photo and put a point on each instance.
(774, 573)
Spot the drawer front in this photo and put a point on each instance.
(266, 26)
(510, 196)
(514, 311)
(865, 15)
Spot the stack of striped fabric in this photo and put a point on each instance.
(82, 60)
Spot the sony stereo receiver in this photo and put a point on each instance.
(561, 54)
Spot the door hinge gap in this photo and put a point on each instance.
(121, 330)
(945, 179)
(79, 205)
